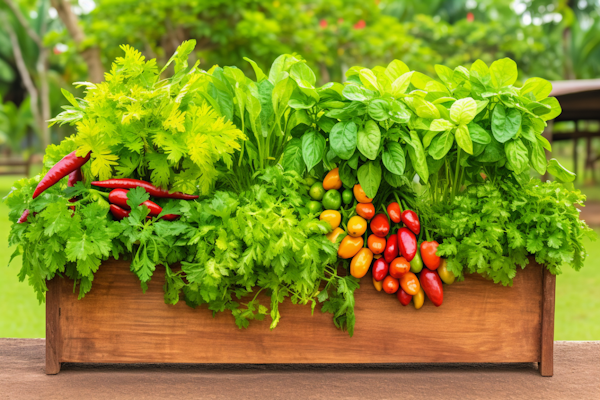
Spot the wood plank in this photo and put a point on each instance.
(53, 311)
(478, 322)
(546, 365)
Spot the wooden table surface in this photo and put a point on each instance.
(22, 376)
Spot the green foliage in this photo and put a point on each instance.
(167, 131)
(491, 228)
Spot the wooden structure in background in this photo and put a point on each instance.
(16, 166)
(580, 101)
(479, 322)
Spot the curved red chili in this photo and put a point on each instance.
(380, 269)
(64, 167)
(148, 187)
(23, 217)
(380, 225)
(403, 297)
(391, 249)
(407, 242)
(118, 212)
(119, 198)
(432, 286)
(393, 210)
(411, 220)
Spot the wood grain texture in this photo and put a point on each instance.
(478, 322)
(546, 365)
(53, 337)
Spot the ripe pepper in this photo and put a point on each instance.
(380, 226)
(416, 264)
(410, 283)
(64, 167)
(411, 220)
(399, 267)
(391, 249)
(419, 299)
(350, 246)
(74, 177)
(390, 285)
(332, 216)
(357, 226)
(332, 180)
(380, 269)
(445, 274)
(148, 187)
(119, 198)
(359, 266)
(378, 285)
(23, 218)
(332, 236)
(407, 243)
(118, 212)
(393, 210)
(403, 297)
(365, 210)
(360, 195)
(430, 259)
(432, 285)
(376, 244)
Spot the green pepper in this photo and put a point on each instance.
(316, 191)
(347, 196)
(314, 207)
(416, 264)
(332, 200)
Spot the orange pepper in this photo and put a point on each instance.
(360, 264)
(350, 246)
(360, 195)
(419, 298)
(357, 226)
(410, 283)
(376, 244)
(378, 285)
(332, 236)
(365, 210)
(332, 216)
(332, 180)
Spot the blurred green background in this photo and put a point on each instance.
(45, 45)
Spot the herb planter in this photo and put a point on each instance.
(479, 322)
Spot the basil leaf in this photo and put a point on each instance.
(353, 161)
(516, 155)
(395, 69)
(369, 177)
(463, 139)
(493, 152)
(555, 107)
(357, 93)
(560, 172)
(538, 87)
(347, 176)
(393, 158)
(378, 109)
(302, 72)
(301, 101)
(394, 180)
(343, 139)
(417, 157)
(400, 85)
(398, 112)
(369, 138)
(292, 157)
(504, 72)
(478, 134)
(505, 124)
(440, 125)
(313, 146)
(538, 158)
(441, 145)
(463, 111)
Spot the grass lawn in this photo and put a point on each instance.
(577, 298)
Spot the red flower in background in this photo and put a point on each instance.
(360, 24)
(323, 23)
(470, 17)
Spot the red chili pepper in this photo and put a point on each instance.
(119, 197)
(74, 177)
(430, 259)
(380, 269)
(403, 297)
(64, 167)
(407, 242)
(380, 225)
(411, 220)
(391, 249)
(393, 210)
(148, 187)
(432, 286)
(118, 212)
(23, 217)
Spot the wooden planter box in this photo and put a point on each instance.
(479, 322)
